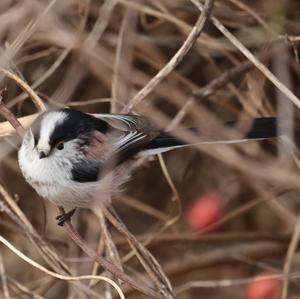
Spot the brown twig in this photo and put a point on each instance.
(22, 289)
(25, 87)
(111, 251)
(3, 278)
(73, 234)
(287, 92)
(6, 113)
(227, 255)
(7, 129)
(148, 261)
(212, 238)
(123, 61)
(17, 216)
(217, 83)
(175, 60)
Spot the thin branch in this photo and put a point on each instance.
(175, 60)
(56, 275)
(223, 283)
(6, 128)
(23, 289)
(212, 238)
(111, 251)
(123, 61)
(107, 265)
(6, 113)
(148, 261)
(25, 87)
(217, 83)
(4, 278)
(142, 207)
(289, 94)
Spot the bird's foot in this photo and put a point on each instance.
(61, 219)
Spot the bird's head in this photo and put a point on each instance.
(61, 133)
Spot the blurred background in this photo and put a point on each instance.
(216, 217)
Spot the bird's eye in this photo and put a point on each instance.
(60, 146)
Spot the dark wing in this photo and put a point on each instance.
(84, 171)
(127, 136)
(124, 122)
(107, 140)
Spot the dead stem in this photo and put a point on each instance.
(107, 265)
(175, 60)
(5, 112)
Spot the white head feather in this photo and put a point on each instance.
(48, 123)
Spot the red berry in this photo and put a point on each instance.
(205, 211)
(260, 288)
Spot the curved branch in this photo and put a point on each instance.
(175, 60)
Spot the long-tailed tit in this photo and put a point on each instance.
(68, 156)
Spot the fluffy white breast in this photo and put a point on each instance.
(47, 176)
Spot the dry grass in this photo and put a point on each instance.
(164, 60)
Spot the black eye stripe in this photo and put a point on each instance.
(86, 171)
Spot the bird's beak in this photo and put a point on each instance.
(43, 154)
(43, 149)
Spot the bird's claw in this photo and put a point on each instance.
(61, 219)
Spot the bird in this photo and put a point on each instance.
(72, 158)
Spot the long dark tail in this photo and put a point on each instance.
(260, 128)
(265, 127)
